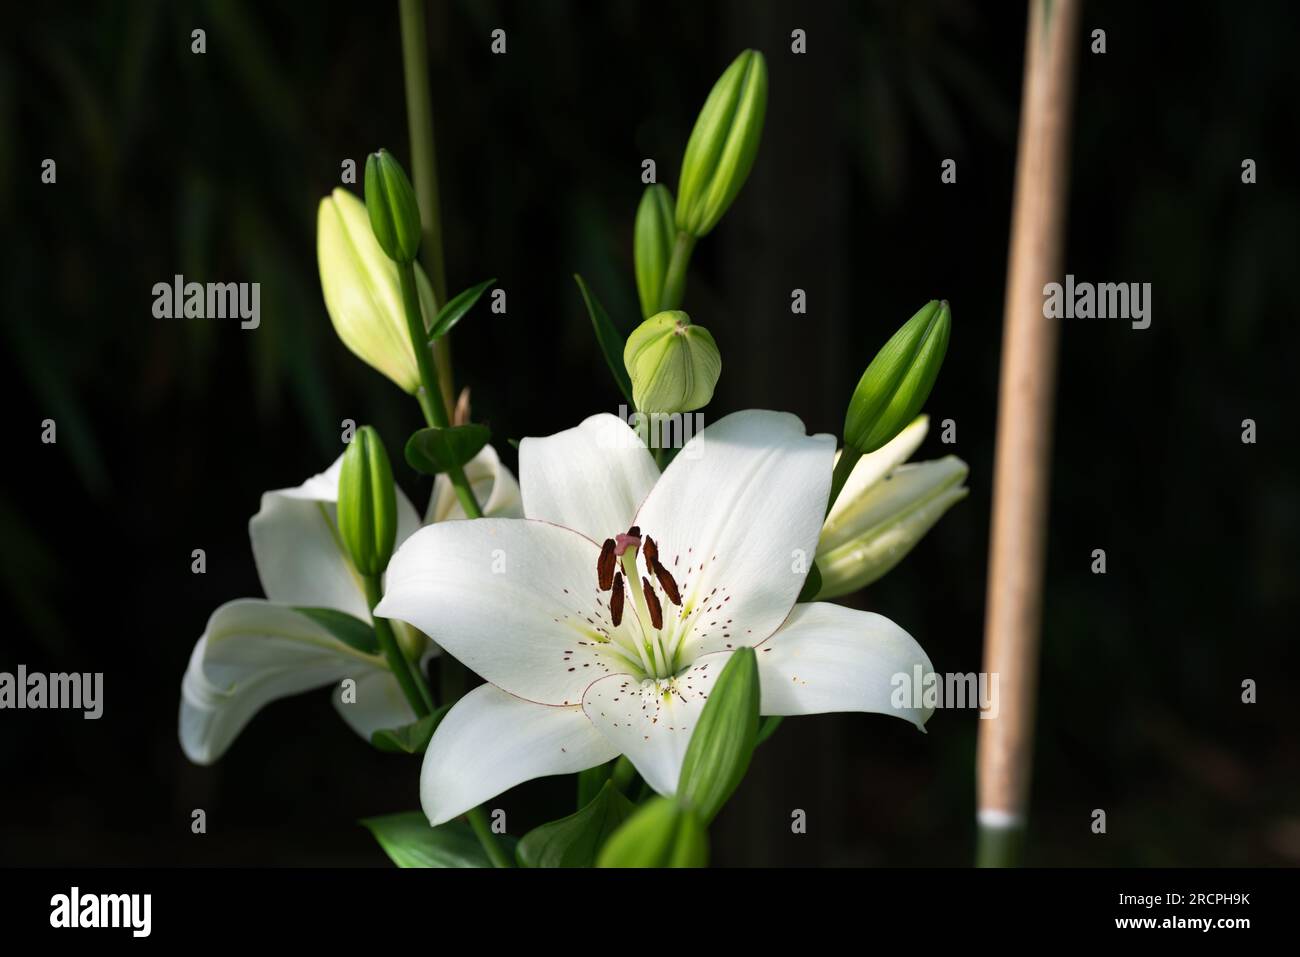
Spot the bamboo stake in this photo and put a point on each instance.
(1021, 466)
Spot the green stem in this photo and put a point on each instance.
(424, 166)
(675, 278)
(999, 846)
(408, 678)
(483, 831)
(843, 469)
(429, 393)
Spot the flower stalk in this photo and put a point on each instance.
(409, 680)
(424, 165)
(483, 831)
(430, 393)
(675, 277)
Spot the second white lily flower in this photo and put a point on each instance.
(256, 651)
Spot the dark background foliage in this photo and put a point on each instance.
(169, 430)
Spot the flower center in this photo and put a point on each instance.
(649, 626)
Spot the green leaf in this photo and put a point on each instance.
(574, 841)
(767, 728)
(353, 632)
(662, 833)
(514, 444)
(409, 841)
(455, 310)
(410, 738)
(811, 585)
(591, 781)
(610, 339)
(723, 741)
(434, 450)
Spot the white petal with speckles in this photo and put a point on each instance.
(651, 721)
(490, 741)
(515, 600)
(590, 478)
(830, 658)
(736, 518)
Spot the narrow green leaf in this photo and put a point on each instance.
(574, 841)
(409, 841)
(456, 309)
(610, 339)
(353, 632)
(410, 738)
(723, 741)
(434, 450)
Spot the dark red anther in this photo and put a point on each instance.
(616, 600)
(634, 531)
(652, 601)
(650, 550)
(605, 565)
(667, 583)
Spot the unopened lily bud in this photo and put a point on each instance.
(367, 509)
(394, 214)
(724, 738)
(899, 379)
(652, 245)
(673, 364)
(879, 517)
(723, 144)
(362, 292)
(662, 833)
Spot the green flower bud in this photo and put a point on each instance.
(724, 738)
(883, 511)
(394, 214)
(652, 245)
(723, 144)
(899, 379)
(367, 512)
(362, 292)
(673, 364)
(662, 833)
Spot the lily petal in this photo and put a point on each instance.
(590, 478)
(516, 600)
(651, 721)
(830, 658)
(254, 652)
(379, 704)
(736, 518)
(490, 741)
(300, 558)
(494, 487)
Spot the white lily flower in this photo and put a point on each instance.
(713, 555)
(256, 651)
